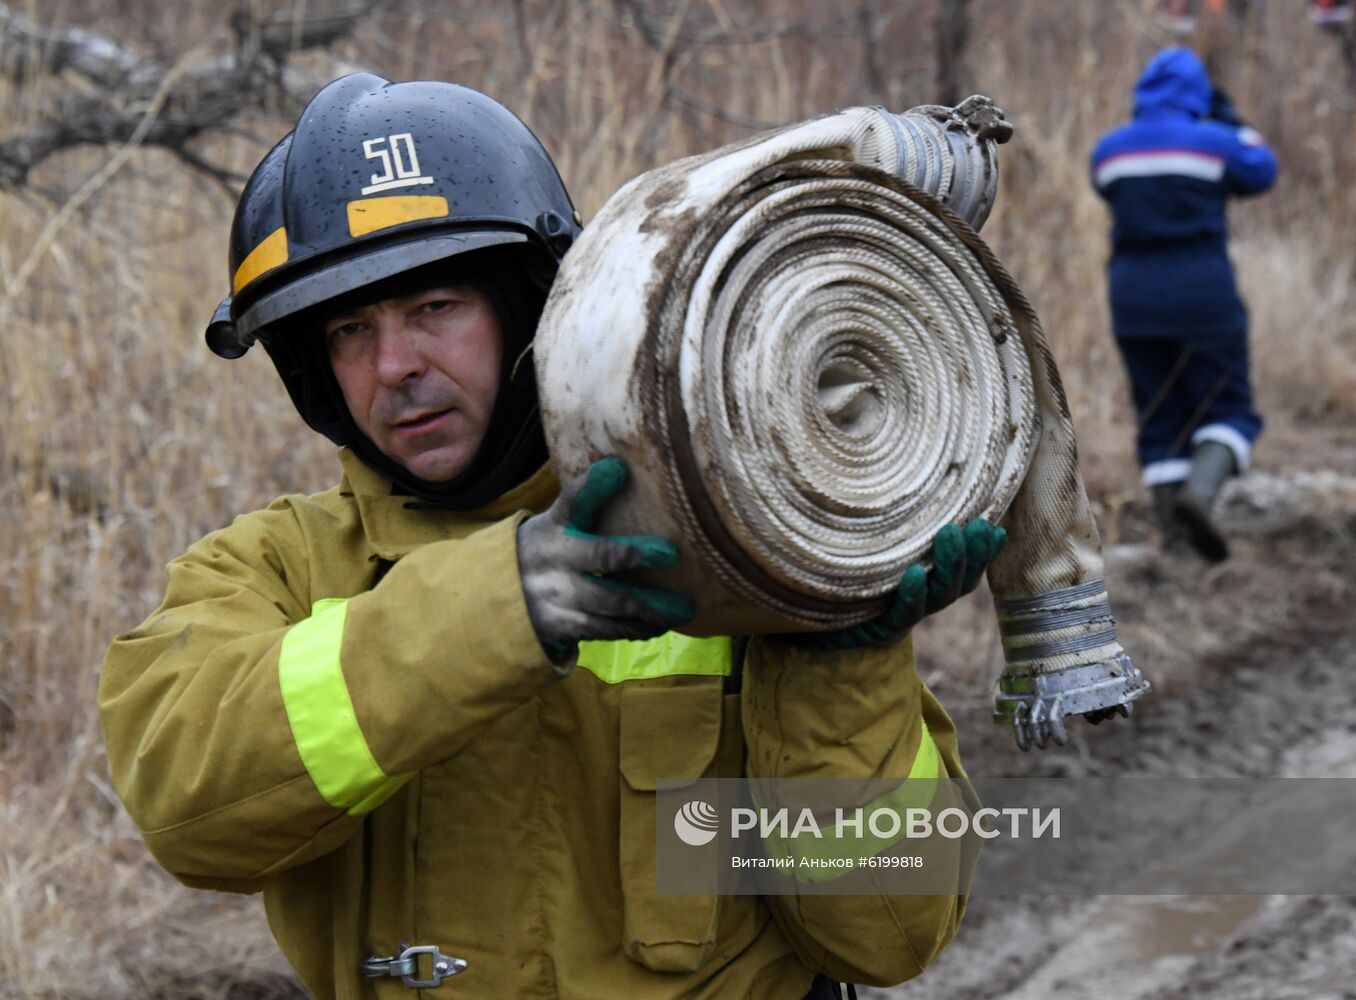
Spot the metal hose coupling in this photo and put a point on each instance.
(1063, 659)
(950, 152)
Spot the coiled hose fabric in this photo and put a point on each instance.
(811, 362)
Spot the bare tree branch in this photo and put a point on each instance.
(230, 180)
(1345, 36)
(279, 35)
(640, 16)
(866, 19)
(720, 114)
(525, 59)
(205, 96)
(953, 30)
(27, 48)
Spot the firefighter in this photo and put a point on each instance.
(1179, 322)
(420, 712)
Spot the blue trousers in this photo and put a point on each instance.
(1187, 392)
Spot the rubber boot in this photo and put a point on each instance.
(1211, 464)
(1165, 513)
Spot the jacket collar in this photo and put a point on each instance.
(394, 530)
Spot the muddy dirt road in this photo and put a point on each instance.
(1255, 668)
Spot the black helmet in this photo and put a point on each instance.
(379, 180)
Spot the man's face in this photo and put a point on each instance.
(420, 374)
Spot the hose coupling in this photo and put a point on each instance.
(1037, 704)
(1064, 658)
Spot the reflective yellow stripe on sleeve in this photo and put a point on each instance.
(915, 792)
(320, 712)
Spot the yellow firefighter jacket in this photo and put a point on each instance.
(341, 702)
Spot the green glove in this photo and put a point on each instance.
(959, 559)
(606, 478)
(565, 567)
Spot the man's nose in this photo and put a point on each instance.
(398, 356)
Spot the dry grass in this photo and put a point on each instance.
(122, 439)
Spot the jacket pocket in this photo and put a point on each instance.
(670, 729)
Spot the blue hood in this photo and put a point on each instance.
(1176, 80)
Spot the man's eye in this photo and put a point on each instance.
(437, 305)
(345, 330)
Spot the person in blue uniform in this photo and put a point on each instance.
(1179, 321)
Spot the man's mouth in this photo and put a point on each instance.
(422, 422)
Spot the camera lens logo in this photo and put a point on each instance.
(696, 823)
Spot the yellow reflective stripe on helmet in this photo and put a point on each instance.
(915, 792)
(664, 656)
(271, 253)
(367, 215)
(320, 712)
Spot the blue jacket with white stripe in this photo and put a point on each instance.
(1166, 176)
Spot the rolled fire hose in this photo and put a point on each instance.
(811, 362)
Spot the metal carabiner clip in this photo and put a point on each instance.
(406, 966)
